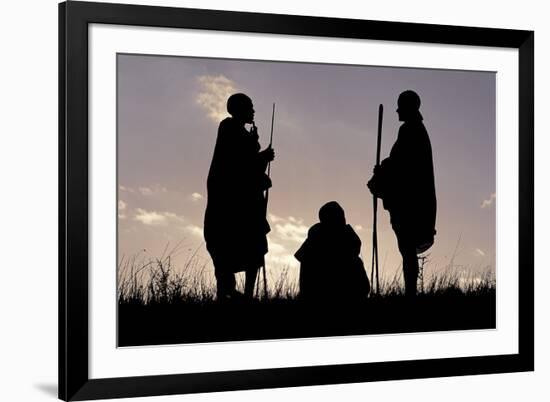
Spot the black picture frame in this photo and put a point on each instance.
(74, 380)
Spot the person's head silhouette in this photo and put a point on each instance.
(408, 106)
(241, 108)
(332, 214)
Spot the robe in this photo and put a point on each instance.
(331, 270)
(405, 183)
(235, 225)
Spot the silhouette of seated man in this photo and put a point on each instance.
(405, 183)
(235, 225)
(331, 270)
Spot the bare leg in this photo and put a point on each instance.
(410, 264)
(225, 282)
(250, 281)
(410, 272)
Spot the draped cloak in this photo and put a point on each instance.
(405, 182)
(235, 224)
(330, 267)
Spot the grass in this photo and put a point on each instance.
(159, 304)
(154, 281)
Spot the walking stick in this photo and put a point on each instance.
(374, 269)
(267, 194)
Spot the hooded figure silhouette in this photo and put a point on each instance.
(331, 270)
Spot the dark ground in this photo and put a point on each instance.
(278, 319)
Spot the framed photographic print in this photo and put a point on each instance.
(257, 200)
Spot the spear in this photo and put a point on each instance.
(270, 146)
(374, 269)
(267, 193)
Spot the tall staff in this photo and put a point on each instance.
(374, 269)
(267, 194)
(270, 146)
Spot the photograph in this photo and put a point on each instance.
(262, 199)
(259, 200)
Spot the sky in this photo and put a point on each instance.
(169, 109)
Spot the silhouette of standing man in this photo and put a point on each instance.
(405, 183)
(235, 225)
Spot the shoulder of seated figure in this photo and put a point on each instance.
(315, 230)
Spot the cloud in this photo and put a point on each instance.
(195, 230)
(490, 201)
(168, 219)
(276, 248)
(215, 89)
(278, 255)
(480, 252)
(150, 217)
(292, 229)
(149, 191)
(196, 197)
(274, 218)
(144, 190)
(121, 207)
(174, 217)
(154, 218)
(281, 260)
(286, 236)
(127, 189)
